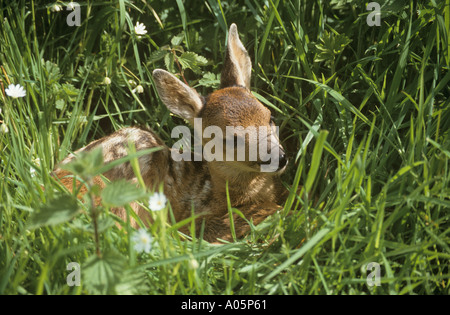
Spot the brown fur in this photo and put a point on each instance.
(201, 185)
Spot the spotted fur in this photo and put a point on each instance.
(200, 185)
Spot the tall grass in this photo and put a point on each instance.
(363, 113)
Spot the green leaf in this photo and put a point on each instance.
(70, 92)
(101, 274)
(59, 104)
(316, 158)
(169, 61)
(132, 282)
(177, 39)
(210, 80)
(190, 60)
(121, 192)
(102, 225)
(56, 211)
(86, 164)
(52, 72)
(70, 89)
(158, 55)
(330, 46)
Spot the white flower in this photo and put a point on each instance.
(15, 91)
(157, 201)
(139, 89)
(107, 81)
(193, 263)
(71, 6)
(4, 128)
(139, 29)
(142, 241)
(56, 8)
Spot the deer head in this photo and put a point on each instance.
(239, 122)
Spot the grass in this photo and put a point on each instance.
(363, 113)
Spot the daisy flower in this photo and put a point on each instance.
(4, 128)
(139, 29)
(107, 81)
(71, 6)
(15, 91)
(56, 8)
(157, 202)
(193, 263)
(142, 241)
(139, 89)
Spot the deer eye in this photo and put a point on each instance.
(272, 120)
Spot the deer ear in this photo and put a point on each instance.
(237, 67)
(179, 98)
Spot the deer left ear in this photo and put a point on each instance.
(179, 98)
(237, 66)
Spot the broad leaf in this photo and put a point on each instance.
(132, 282)
(210, 80)
(158, 55)
(177, 39)
(86, 164)
(169, 62)
(56, 211)
(121, 192)
(190, 60)
(101, 274)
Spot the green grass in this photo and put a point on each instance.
(363, 112)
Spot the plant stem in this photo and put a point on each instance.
(94, 219)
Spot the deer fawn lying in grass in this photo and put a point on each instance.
(201, 185)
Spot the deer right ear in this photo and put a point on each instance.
(179, 98)
(237, 68)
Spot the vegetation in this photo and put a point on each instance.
(363, 113)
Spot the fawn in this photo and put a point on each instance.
(201, 185)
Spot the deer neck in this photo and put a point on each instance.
(243, 187)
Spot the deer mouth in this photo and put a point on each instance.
(270, 167)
